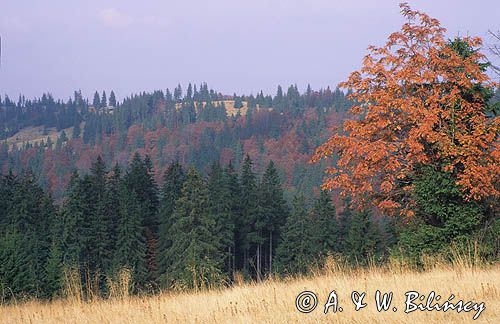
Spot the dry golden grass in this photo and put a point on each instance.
(230, 110)
(35, 135)
(273, 301)
(229, 104)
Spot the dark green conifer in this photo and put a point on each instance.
(195, 236)
(171, 190)
(245, 225)
(294, 253)
(220, 207)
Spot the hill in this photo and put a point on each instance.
(196, 129)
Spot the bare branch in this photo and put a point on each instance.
(494, 49)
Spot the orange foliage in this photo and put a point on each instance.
(410, 111)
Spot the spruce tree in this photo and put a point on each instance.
(72, 216)
(271, 216)
(42, 213)
(112, 99)
(102, 247)
(76, 129)
(6, 194)
(220, 207)
(363, 239)
(85, 235)
(324, 227)
(131, 247)
(173, 181)
(139, 180)
(18, 270)
(112, 204)
(54, 271)
(25, 223)
(238, 102)
(84, 242)
(245, 225)
(293, 255)
(442, 216)
(194, 236)
(97, 100)
(234, 192)
(104, 101)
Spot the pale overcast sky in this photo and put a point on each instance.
(58, 46)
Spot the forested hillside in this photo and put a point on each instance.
(176, 190)
(138, 183)
(191, 126)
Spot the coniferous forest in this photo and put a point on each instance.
(189, 209)
(202, 225)
(193, 189)
(192, 231)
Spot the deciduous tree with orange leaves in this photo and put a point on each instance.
(419, 100)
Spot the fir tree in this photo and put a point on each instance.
(54, 272)
(294, 253)
(104, 101)
(97, 100)
(245, 224)
(72, 219)
(324, 227)
(112, 99)
(363, 239)
(194, 236)
(131, 247)
(442, 216)
(139, 180)
(271, 215)
(25, 223)
(238, 102)
(178, 93)
(102, 247)
(76, 129)
(234, 192)
(173, 181)
(112, 204)
(220, 207)
(18, 270)
(189, 92)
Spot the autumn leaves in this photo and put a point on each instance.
(419, 100)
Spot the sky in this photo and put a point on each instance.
(242, 46)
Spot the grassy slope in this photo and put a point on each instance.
(35, 135)
(274, 301)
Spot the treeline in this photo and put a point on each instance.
(191, 127)
(175, 109)
(45, 111)
(193, 231)
(180, 108)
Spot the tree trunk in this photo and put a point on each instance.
(229, 261)
(270, 252)
(245, 256)
(258, 261)
(234, 261)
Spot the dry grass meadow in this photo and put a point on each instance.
(34, 135)
(273, 301)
